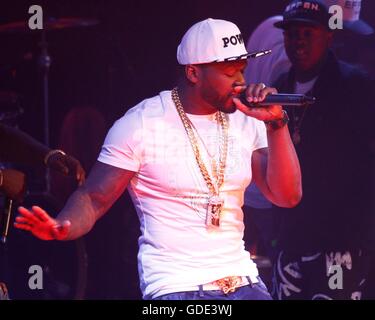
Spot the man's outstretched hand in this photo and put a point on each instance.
(41, 225)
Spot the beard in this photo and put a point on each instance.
(228, 109)
(219, 102)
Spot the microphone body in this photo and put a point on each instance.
(284, 99)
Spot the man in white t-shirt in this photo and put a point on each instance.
(187, 155)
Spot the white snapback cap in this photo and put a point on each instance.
(212, 40)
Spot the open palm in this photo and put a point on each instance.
(41, 225)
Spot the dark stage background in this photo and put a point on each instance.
(97, 73)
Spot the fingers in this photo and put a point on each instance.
(252, 92)
(57, 162)
(30, 217)
(34, 217)
(68, 165)
(41, 214)
(258, 92)
(40, 224)
(22, 226)
(59, 166)
(264, 114)
(22, 223)
(74, 167)
(37, 214)
(21, 219)
(252, 112)
(80, 175)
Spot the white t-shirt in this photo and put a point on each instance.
(177, 252)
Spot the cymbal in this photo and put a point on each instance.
(48, 24)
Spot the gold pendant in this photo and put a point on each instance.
(215, 204)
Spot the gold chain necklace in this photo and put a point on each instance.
(209, 153)
(215, 203)
(212, 157)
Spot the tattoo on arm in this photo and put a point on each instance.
(103, 187)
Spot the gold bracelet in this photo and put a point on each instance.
(51, 153)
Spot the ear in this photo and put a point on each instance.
(192, 73)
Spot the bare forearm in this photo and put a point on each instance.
(102, 188)
(283, 169)
(81, 211)
(276, 169)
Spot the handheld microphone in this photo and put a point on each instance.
(5, 219)
(284, 99)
